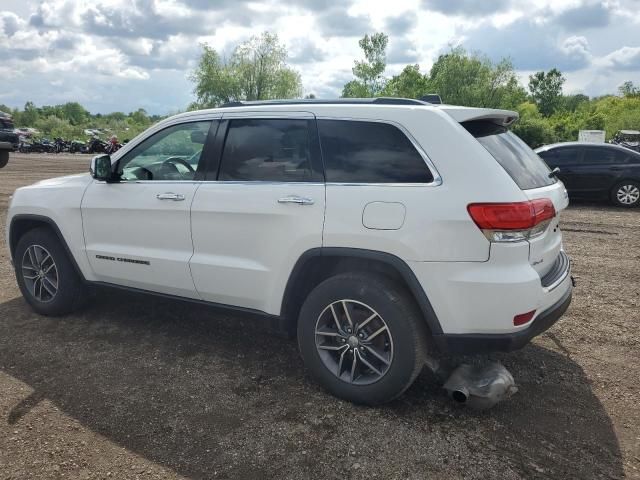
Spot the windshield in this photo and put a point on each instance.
(526, 168)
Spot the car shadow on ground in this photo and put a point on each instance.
(202, 392)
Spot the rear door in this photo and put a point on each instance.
(259, 211)
(601, 168)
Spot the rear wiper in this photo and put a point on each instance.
(554, 173)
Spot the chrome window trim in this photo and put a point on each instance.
(261, 114)
(437, 179)
(221, 182)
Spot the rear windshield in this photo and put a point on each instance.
(526, 168)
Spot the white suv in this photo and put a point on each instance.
(379, 230)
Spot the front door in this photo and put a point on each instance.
(264, 209)
(138, 232)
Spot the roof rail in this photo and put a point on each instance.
(432, 98)
(336, 101)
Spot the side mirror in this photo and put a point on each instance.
(101, 168)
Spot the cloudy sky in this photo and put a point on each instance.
(124, 54)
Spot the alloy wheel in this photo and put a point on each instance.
(628, 194)
(40, 273)
(354, 342)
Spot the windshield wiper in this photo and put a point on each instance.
(554, 173)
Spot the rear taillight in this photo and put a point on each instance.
(512, 222)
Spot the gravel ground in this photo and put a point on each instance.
(137, 387)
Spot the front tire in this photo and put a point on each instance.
(46, 277)
(626, 194)
(362, 337)
(4, 158)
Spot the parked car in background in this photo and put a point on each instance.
(8, 139)
(381, 230)
(596, 171)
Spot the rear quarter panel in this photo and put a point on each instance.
(437, 226)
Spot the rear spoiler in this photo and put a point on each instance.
(468, 114)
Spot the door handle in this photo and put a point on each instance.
(176, 197)
(296, 199)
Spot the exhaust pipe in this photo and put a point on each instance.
(480, 386)
(461, 395)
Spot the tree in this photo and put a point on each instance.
(29, 116)
(572, 102)
(546, 90)
(628, 89)
(461, 78)
(369, 72)
(257, 70)
(75, 113)
(531, 127)
(409, 83)
(139, 117)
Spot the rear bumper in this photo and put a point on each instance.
(504, 342)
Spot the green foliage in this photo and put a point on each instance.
(369, 72)
(71, 119)
(468, 79)
(257, 70)
(531, 127)
(572, 102)
(628, 89)
(409, 83)
(546, 90)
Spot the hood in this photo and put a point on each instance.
(78, 179)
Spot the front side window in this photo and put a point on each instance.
(562, 156)
(171, 154)
(369, 152)
(275, 150)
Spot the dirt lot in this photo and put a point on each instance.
(137, 387)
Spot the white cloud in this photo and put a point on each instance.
(123, 54)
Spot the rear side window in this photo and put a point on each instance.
(276, 150)
(604, 156)
(369, 152)
(523, 165)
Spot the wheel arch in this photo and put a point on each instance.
(23, 223)
(318, 264)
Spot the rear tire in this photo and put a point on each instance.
(380, 326)
(626, 194)
(4, 158)
(46, 277)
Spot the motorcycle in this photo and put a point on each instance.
(60, 145)
(76, 146)
(95, 145)
(113, 146)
